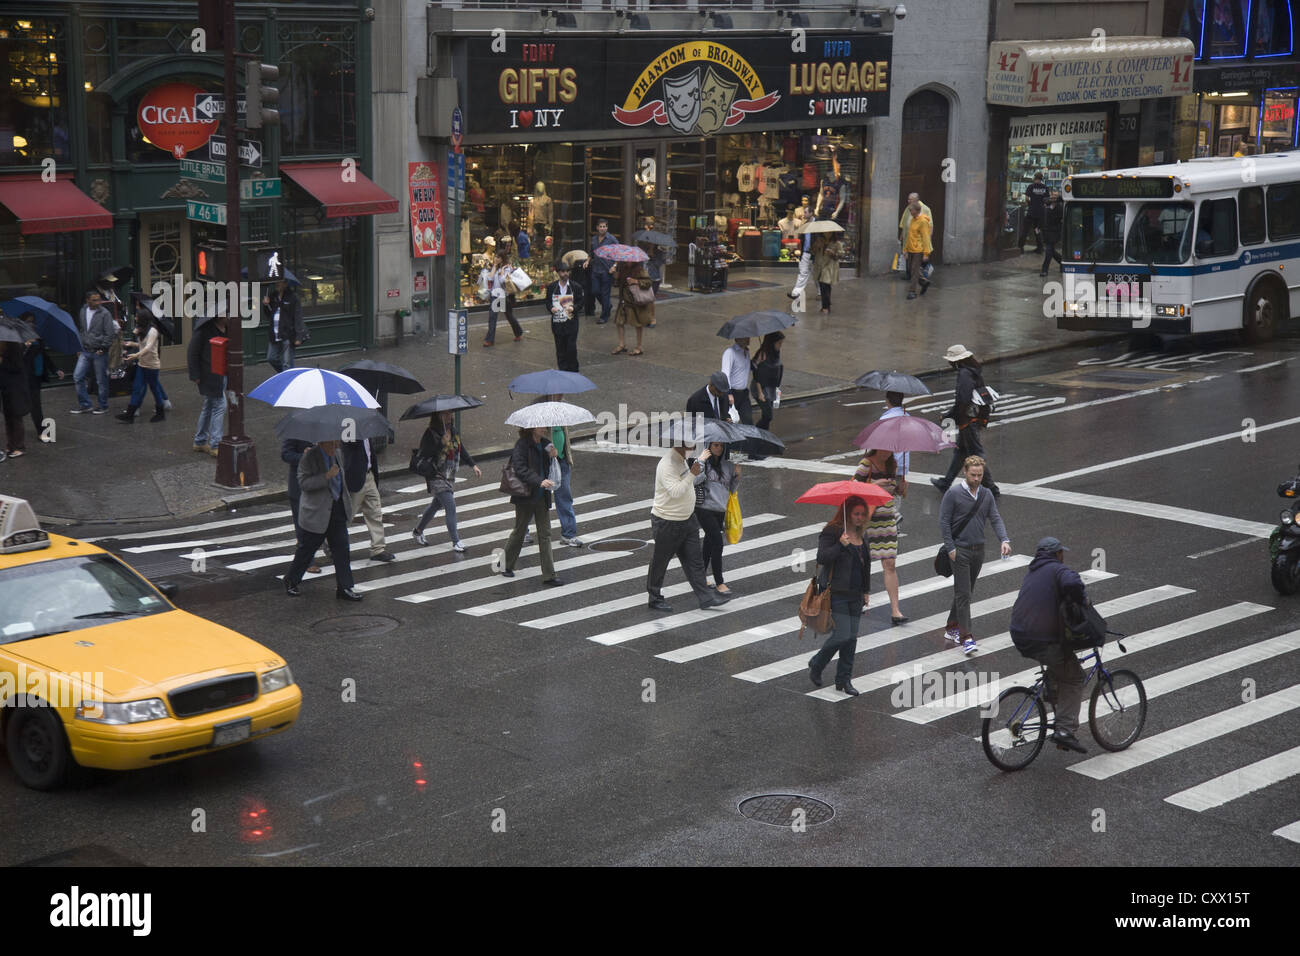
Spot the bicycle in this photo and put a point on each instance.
(1117, 711)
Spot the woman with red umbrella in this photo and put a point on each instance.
(843, 554)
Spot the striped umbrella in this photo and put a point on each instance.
(617, 252)
(309, 387)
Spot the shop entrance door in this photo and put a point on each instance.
(925, 144)
(165, 252)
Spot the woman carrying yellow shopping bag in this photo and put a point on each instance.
(715, 501)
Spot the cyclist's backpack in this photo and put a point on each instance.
(1083, 627)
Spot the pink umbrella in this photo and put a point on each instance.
(903, 433)
(617, 252)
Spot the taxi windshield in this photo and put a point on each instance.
(68, 594)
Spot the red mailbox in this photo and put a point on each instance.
(219, 344)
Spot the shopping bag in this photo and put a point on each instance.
(555, 475)
(521, 279)
(731, 522)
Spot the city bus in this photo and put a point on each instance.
(1183, 248)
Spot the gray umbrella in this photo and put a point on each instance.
(333, 423)
(753, 325)
(15, 330)
(440, 403)
(694, 430)
(654, 237)
(893, 382)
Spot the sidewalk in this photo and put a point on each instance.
(101, 470)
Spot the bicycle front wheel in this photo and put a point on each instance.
(1013, 735)
(1117, 710)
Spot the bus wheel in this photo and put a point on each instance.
(1263, 313)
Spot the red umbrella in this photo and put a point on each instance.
(903, 433)
(838, 492)
(617, 252)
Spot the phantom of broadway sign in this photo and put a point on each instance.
(671, 87)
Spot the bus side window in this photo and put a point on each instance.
(1251, 202)
(1216, 228)
(1283, 211)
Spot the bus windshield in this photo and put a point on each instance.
(1094, 231)
(1161, 234)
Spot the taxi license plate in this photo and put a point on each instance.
(232, 733)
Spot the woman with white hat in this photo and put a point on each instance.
(969, 417)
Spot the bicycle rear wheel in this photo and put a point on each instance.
(1117, 710)
(1014, 734)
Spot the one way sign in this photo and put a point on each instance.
(250, 151)
(211, 105)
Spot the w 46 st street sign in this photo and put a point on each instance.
(209, 212)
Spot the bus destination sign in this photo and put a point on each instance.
(1154, 187)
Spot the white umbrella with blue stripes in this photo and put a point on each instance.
(310, 387)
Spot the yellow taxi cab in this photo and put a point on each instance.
(99, 669)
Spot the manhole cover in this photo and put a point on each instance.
(783, 809)
(356, 625)
(618, 544)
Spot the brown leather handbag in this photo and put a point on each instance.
(815, 608)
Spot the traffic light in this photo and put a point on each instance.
(211, 261)
(260, 110)
(268, 265)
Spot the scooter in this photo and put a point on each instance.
(1284, 542)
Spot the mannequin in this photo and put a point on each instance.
(801, 214)
(833, 193)
(790, 224)
(543, 210)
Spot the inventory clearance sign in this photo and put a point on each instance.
(1071, 72)
(427, 234)
(1057, 128)
(551, 88)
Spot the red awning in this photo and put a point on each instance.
(56, 206)
(357, 195)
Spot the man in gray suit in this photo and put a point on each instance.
(97, 334)
(324, 510)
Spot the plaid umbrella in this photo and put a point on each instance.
(617, 252)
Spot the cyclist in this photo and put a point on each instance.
(1039, 633)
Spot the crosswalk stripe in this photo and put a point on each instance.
(1238, 783)
(954, 703)
(616, 577)
(798, 662)
(1147, 749)
(499, 538)
(1289, 832)
(745, 602)
(287, 546)
(1174, 680)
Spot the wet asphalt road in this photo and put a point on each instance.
(571, 726)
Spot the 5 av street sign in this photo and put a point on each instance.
(212, 105)
(259, 189)
(250, 150)
(209, 212)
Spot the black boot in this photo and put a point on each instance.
(128, 417)
(158, 414)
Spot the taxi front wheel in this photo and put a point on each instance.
(38, 749)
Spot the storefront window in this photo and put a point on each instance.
(33, 92)
(1225, 28)
(318, 90)
(1056, 161)
(769, 183)
(537, 192)
(1277, 121)
(44, 265)
(327, 256)
(1272, 34)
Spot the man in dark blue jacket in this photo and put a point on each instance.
(1038, 633)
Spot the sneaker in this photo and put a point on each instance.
(968, 647)
(79, 410)
(167, 405)
(574, 542)
(953, 633)
(458, 548)
(100, 411)
(419, 538)
(528, 537)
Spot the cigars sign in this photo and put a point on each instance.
(169, 119)
(531, 89)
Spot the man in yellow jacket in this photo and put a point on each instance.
(917, 245)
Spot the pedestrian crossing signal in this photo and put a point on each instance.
(268, 265)
(210, 262)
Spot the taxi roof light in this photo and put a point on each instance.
(19, 529)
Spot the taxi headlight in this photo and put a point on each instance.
(276, 679)
(131, 712)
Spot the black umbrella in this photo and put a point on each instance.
(892, 382)
(680, 432)
(381, 375)
(653, 237)
(116, 278)
(759, 441)
(440, 403)
(333, 423)
(754, 325)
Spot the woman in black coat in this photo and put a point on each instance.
(845, 558)
(531, 459)
(14, 396)
(40, 369)
(441, 445)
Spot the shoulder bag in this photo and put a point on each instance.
(815, 608)
(640, 296)
(942, 561)
(511, 484)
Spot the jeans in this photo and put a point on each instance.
(711, 552)
(509, 311)
(601, 284)
(680, 539)
(309, 541)
(965, 569)
(147, 379)
(846, 613)
(84, 362)
(1063, 688)
(533, 510)
(447, 501)
(212, 419)
(279, 355)
(564, 503)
